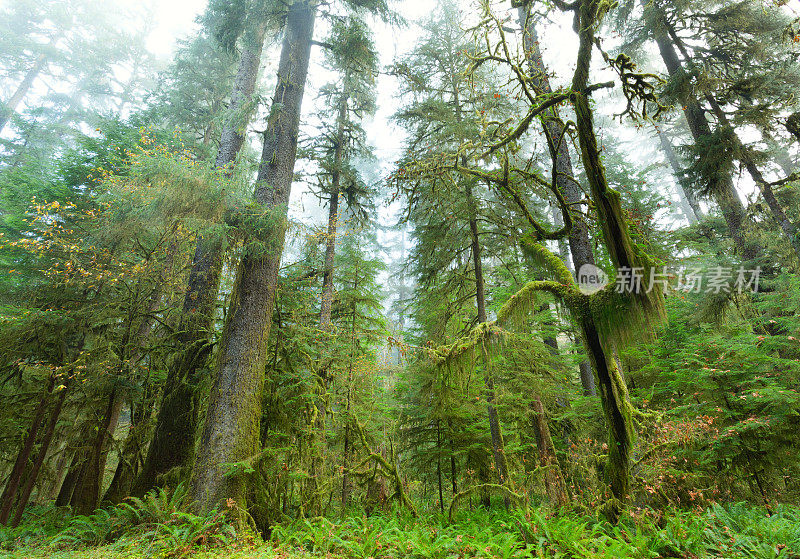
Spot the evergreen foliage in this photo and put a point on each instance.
(383, 352)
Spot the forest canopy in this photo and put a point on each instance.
(377, 278)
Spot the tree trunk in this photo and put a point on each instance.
(563, 174)
(15, 478)
(346, 465)
(347, 434)
(37, 464)
(498, 447)
(173, 439)
(720, 187)
(87, 494)
(333, 220)
(689, 204)
(617, 410)
(60, 470)
(453, 474)
(330, 253)
(70, 480)
(788, 228)
(130, 456)
(231, 430)
(439, 463)
(611, 386)
(22, 89)
(553, 478)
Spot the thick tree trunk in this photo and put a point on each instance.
(553, 478)
(33, 474)
(22, 89)
(611, 386)
(15, 478)
(231, 429)
(721, 187)
(563, 174)
(688, 199)
(173, 439)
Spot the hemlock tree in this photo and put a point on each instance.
(173, 440)
(445, 207)
(348, 101)
(558, 144)
(730, 65)
(231, 428)
(606, 318)
(339, 147)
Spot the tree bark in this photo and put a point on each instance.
(453, 474)
(15, 478)
(553, 478)
(563, 174)
(789, 229)
(439, 463)
(174, 434)
(498, 447)
(617, 410)
(231, 430)
(131, 454)
(333, 220)
(70, 480)
(37, 464)
(611, 386)
(87, 493)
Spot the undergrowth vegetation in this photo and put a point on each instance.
(156, 527)
(156, 521)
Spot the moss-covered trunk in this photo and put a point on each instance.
(231, 429)
(131, 455)
(553, 478)
(563, 174)
(618, 414)
(643, 303)
(87, 494)
(172, 445)
(70, 480)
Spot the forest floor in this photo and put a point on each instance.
(735, 531)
